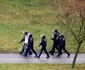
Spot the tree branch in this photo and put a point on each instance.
(67, 25)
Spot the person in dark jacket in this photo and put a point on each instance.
(43, 44)
(62, 45)
(25, 44)
(55, 42)
(31, 44)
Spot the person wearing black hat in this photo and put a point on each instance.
(62, 46)
(43, 43)
(31, 44)
(25, 46)
(55, 41)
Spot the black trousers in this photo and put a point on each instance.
(62, 47)
(32, 48)
(53, 48)
(43, 49)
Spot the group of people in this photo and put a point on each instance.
(58, 43)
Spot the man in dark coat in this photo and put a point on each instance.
(55, 42)
(62, 45)
(31, 44)
(43, 44)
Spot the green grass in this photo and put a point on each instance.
(35, 16)
(41, 67)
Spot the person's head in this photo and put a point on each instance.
(30, 35)
(61, 35)
(25, 33)
(43, 36)
(55, 31)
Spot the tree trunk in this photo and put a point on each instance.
(74, 60)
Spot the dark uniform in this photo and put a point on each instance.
(62, 46)
(43, 44)
(24, 46)
(55, 42)
(31, 43)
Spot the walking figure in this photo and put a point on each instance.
(31, 44)
(43, 43)
(55, 42)
(25, 46)
(62, 45)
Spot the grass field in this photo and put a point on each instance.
(35, 16)
(40, 67)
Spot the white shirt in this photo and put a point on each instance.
(26, 39)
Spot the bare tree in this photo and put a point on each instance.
(74, 20)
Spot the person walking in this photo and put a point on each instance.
(25, 46)
(55, 42)
(43, 43)
(31, 44)
(62, 46)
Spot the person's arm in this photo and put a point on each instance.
(52, 39)
(23, 39)
(62, 41)
(40, 44)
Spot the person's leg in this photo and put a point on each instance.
(46, 53)
(30, 51)
(59, 51)
(34, 51)
(52, 50)
(40, 52)
(26, 50)
(66, 50)
(56, 46)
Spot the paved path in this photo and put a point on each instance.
(17, 58)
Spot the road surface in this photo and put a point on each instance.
(17, 58)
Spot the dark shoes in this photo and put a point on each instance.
(50, 51)
(68, 55)
(25, 55)
(47, 56)
(36, 55)
(30, 53)
(61, 54)
(58, 55)
(51, 54)
(20, 53)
